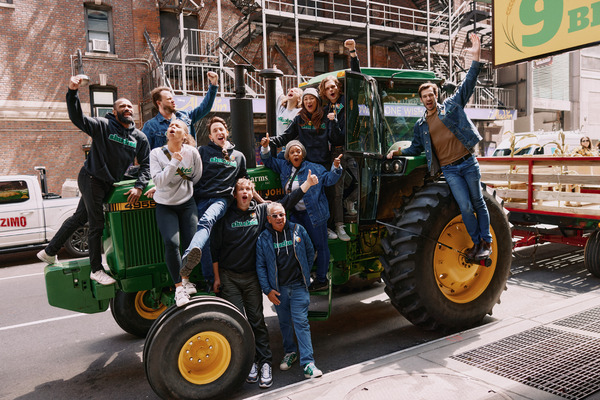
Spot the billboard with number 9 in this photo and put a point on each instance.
(530, 29)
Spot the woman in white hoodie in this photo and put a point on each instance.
(175, 168)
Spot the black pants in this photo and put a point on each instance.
(93, 192)
(243, 291)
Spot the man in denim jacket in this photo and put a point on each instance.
(162, 97)
(284, 254)
(448, 136)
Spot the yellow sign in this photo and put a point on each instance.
(529, 29)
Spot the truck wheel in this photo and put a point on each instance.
(433, 286)
(204, 350)
(135, 312)
(591, 254)
(77, 245)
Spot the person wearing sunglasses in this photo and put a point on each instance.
(585, 149)
(233, 250)
(222, 166)
(284, 254)
(313, 211)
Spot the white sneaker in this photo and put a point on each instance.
(181, 296)
(331, 234)
(341, 233)
(42, 255)
(349, 205)
(266, 376)
(311, 371)
(190, 288)
(102, 278)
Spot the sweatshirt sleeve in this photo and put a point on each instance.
(197, 162)
(261, 265)
(162, 176)
(289, 201)
(143, 158)
(91, 126)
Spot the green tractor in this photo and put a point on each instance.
(408, 231)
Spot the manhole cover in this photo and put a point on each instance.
(424, 387)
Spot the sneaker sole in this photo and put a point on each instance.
(265, 385)
(251, 381)
(193, 258)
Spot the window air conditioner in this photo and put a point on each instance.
(100, 45)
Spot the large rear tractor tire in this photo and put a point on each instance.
(591, 254)
(203, 350)
(77, 245)
(432, 286)
(135, 312)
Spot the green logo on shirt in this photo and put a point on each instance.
(285, 243)
(231, 163)
(116, 138)
(241, 224)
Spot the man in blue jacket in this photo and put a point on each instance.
(284, 255)
(162, 97)
(448, 136)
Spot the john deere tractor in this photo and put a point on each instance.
(408, 231)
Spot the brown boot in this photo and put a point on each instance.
(470, 253)
(484, 251)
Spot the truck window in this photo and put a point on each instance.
(13, 192)
(402, 108)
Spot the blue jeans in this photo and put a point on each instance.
(210, 210)
(318, 235)
(464, 181)
(177, 226)
(292, 314)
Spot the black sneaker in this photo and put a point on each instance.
(317, 286)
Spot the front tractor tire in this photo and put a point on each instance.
(135, 312)
(203, 350)
(591, 254)
(432, 286)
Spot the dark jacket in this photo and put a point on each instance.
(219, 175)
(266, 257)
(233, 239)
(452, 114)
(336, 129)
(316, 141)
(315, 200)
(114, 147)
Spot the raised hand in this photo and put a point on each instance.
(177, 155)
(213, 78)
(264, 142)
(350, 44)
(475, 49)
(74, 82)
(312, 179)
(337, 161)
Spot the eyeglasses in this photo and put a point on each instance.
(280, 215)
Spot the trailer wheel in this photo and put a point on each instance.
(135, 312)
(77, 245)
(203, 350)
(435, 287)
(591, 254)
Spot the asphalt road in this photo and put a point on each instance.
(53, 353)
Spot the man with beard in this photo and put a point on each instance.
(115, 144)
(162, 97)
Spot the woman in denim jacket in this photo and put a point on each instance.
(312, 211)
(448, 136)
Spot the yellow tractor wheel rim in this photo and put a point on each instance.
(204, 357)
(458, 280)
(144, 310)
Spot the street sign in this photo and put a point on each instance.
(531, 29)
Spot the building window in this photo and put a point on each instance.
(340, 61)
(102, 99)
(98, 23)
(321, 63)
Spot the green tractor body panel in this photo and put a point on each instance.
(69, 286)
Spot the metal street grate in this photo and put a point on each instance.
(564, 363)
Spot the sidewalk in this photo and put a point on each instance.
(555, 349)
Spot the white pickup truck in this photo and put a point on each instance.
(30, 216)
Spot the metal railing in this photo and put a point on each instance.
(197, 81)
(492, 97)
(380, 15)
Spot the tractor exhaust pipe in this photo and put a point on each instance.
(242, 122)
(270, 76)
